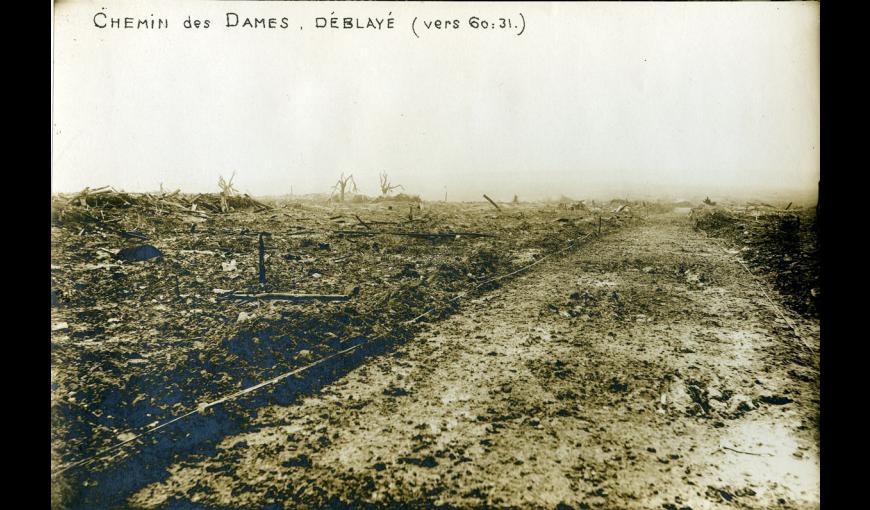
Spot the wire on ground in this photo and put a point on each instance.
(760, 286)
(202, 407)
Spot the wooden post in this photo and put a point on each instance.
(599, 224)
(491, 202)
(262, 260)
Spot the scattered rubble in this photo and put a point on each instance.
(143, 332)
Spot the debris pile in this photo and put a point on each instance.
(91, 205)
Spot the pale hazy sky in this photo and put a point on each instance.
(631, 97)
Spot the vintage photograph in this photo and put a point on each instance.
(513, 255)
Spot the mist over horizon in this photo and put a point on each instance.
(504, 192)
(594, 101)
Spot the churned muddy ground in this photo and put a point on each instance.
(643, 370)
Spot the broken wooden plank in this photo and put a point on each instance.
(361, 222)
(491, 202)
(131, 234)
(286, 296)
(411, 234)
(374, 222)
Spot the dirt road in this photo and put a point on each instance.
(644, 370)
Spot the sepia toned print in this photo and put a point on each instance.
(435, 255)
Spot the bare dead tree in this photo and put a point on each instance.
(227, 190)
(386, 187)
(342, 186)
